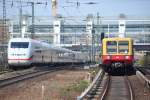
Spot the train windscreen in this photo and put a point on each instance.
(19, 44)
(111, 47)
(123, 47)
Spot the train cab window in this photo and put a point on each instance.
(111, 47)
(123, 47)
(19, 44)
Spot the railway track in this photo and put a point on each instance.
(117, 88)
(15, 79)
(113, 87)
(94, 88)
(140, 83)
(107, 87)
(10, 74)
(144, 76)
(5, 71)
(145, 71)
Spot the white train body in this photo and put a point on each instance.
(26, 52)
(19, 51)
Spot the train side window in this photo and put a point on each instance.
(38, 51)
(37, 47)
(123, 47)
(111, 47)
(60, 54)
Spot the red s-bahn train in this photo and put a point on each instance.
(117, 52)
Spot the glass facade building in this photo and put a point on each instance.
(74, 31)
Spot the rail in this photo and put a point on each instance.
(130, 88)
(145, 79)
(97, 77)
(106, 88)
(18, 78)
(110, 87)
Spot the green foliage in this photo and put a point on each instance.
(80, 86)
(67, 93)
(144, 61)
(140, 62)
(94, 71)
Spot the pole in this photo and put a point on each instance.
(98, 18)
(54, 7)
(4, 36)
(4, 24)
(32, 33)
(20, 22)
(33, 18)
(108, 31)
(93, 45)
(98, 34)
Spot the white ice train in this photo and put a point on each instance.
(27, 52)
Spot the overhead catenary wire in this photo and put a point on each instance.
(69, 15)
(18, 4)
(21, 3)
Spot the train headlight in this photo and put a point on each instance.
(126, 57)
(108, 57)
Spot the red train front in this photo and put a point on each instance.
(117, 52)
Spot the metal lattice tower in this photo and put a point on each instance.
(3, 37)
(4, 26)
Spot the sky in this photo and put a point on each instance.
(103, 7)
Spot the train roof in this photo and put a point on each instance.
(117, 39)
(41, 43)
(20, 40)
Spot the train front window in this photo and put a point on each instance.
(123, 47)
(19, 44)
(111, 47)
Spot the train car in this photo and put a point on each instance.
(117, 52)
(29, 52)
